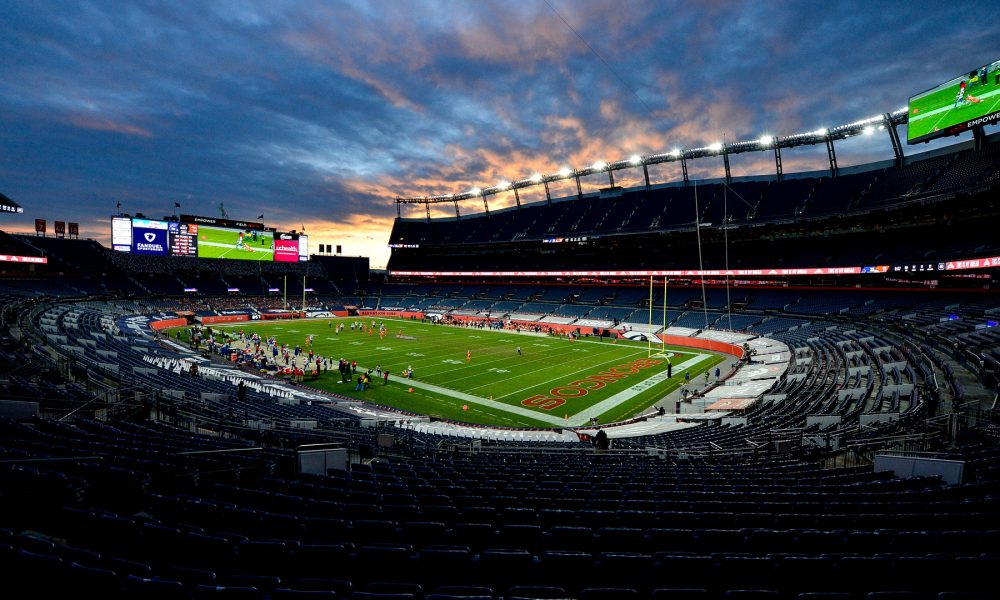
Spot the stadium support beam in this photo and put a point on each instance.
(486, 205)
(978, 137)
(579, 190)
(725, 161)
(458, 215)
(777, 162)
(427, 205)
(611, 177)
(517, 198)
(831, 153)
(399, 212)
(897, 146)
(548, 196)
(645, 174)
(684, 171)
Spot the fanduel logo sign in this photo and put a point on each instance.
(149, 241)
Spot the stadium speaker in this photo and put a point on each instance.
(338, 249)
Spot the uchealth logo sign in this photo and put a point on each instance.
(286, 250)
(581, 387)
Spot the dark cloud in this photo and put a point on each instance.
(319, 113)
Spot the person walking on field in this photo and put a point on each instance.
(468, 356)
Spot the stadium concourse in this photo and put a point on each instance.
(855, 455)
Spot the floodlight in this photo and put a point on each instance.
(475, 191)
(868, 130)
(716, 147)
(765, 140)
(676, 152)
(565, 172)
(821, 131)
(536, 178)
(599, 165)
(503, 185)
(635, 159)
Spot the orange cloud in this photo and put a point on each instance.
(106, 124)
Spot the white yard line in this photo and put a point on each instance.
(517, 410)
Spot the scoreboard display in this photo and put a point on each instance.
(121, 234)
(183, 239)
(206, 237)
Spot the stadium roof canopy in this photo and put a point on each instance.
(886, 121)
(9, 206)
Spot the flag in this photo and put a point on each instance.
(177, 204)
(119, 205)
(260, 216)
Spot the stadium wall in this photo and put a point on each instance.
(165, 323)
(223, 319)
(702, 344)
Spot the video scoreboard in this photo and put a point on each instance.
(183, 238)
(207, 237)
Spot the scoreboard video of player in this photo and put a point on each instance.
(207, 237)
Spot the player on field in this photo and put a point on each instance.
(468, 356)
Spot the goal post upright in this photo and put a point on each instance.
(649, 330)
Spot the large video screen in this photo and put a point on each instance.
(967, 101)
(221, 242)
(207, 237)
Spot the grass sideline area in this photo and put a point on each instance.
(214, 242)
(551, 379)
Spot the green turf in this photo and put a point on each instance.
(437, 354)
(937, 110)
(221, 243)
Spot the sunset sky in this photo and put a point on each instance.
(317, 114)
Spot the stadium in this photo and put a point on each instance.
(595, 383)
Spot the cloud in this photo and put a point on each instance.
(101, 124)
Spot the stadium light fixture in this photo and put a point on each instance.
(635, 159)
(599, 165)
(765, 140)
(821, 131)
(676, 152)
(503, 185)
(716, 147)
(868, 130)
(565, 172)
(475, 191)
(536, 178)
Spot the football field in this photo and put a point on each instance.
(215, 242)
(478, 375)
